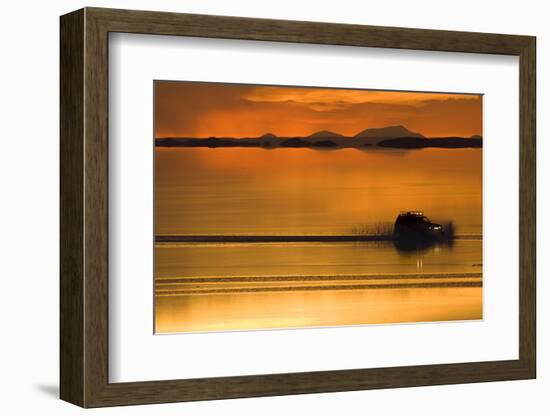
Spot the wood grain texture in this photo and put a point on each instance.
(527, 207)
(224, 27)
(96, 209)
(84, 207)
(71, 99)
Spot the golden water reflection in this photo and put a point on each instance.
(293, 309)
(251, 191)
(302, 191)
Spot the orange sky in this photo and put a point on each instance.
(192, 109)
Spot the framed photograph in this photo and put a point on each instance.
(309, 227)
(255, 207)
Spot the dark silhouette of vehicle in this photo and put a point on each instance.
(414, 225)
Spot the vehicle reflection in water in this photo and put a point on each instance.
(418, 248)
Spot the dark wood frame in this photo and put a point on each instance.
(84, 207)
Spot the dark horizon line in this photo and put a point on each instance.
(304, 137)
(326, 142)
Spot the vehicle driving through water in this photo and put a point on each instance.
(414, 225)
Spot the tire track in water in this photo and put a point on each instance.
(309, 278)
(287, 288)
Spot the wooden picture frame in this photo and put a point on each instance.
(84, 207)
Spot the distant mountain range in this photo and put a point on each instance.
(398, 137)
(375, 136)
(324, 134)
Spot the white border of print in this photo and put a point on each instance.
(135, 354)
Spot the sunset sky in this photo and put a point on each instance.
(190, 109)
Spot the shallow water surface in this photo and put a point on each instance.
(302, 191)
(232, 286)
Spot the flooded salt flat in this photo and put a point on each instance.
(272, 259)
(213, 287)
(239, 285)
(294, 309)
(302, 191)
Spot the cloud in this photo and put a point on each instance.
(237, 110)
(343, 97)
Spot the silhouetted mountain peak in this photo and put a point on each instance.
(476, 136)
(267, 136)
(323, 134)
(390, 132)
